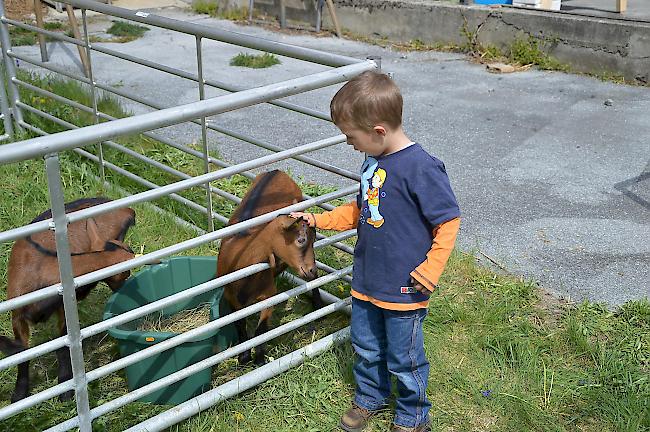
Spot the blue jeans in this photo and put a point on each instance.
(389, 343)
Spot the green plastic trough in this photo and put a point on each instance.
(151, 284)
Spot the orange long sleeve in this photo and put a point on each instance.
(343, 217)
(444, 238)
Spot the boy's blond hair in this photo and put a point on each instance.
(366, 101)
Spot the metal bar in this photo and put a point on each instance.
(241, 384)
(325, 296)
(207, 32)
(213, 325)
(267, 146)
(251, 5)
(305, 159)
(51, 34)
(319, 14)
(212, 83)
(145, 259)
(283, 14)
(338, 237)
(69, 297)
(189, 203)
(124, 192)
(4, 105)
(133, 153)
(210, 361)
(122, 171)
(93, 93)
(54, 96)
(329, 269)
(49, 66)
(174, 187)
(204, 132)
(95, 329)
(101, 132)
(168, 169)
(14, 95)
(136, 262)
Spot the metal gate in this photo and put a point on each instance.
(107, 128)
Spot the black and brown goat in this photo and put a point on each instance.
(94, 243)
(283, 242)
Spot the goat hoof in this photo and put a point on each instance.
(18, 396)
(66, 396)
(244, 358)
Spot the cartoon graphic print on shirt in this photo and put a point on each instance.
(371, 193)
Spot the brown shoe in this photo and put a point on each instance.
(424, 427)
(355, 419)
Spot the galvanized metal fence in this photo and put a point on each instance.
(108, 128)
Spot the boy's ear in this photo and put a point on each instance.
(379, 130)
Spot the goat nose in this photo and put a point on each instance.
(313, 272)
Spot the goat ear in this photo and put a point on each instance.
(96, 242)
(287, 222)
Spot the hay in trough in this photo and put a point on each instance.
(179, 322)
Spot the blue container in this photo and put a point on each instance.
(492, 2)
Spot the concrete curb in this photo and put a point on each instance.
(587, 44)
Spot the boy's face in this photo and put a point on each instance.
(371, 142)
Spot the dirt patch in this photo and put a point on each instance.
(20, 9)
(551, 307)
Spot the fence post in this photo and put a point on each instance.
(60, 224)
(204, 133)
(11, 70)
(93, 93)
(4, 105)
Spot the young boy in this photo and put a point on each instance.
(407, 219)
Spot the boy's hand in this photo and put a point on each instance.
(421, 288)
(311, 220)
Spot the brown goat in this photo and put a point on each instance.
(283, 242)
(94, 243)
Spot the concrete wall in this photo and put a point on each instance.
(595, 45)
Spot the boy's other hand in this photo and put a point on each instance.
(421, 288)
(311, 220)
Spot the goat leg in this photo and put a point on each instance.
(10, 347)
(262, 327)
(63, 358)
(316, 300)
(242, 335)
(21, 333)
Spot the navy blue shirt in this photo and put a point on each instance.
(403, 196)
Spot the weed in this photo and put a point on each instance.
(127, 30)
(205, 7)
(212, 8)
(528, 51)
(254, 61)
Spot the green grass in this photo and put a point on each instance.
(530, 52)
(255, 61)
(126, 30)
(503, 357)
(205, 7)
(20, 36)
(212, 8)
